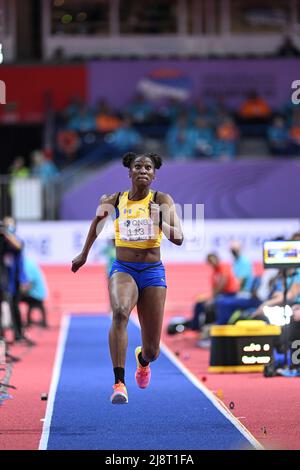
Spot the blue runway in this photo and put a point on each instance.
(172, 414)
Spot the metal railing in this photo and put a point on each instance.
(29, 198)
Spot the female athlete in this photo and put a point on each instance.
(137, 276)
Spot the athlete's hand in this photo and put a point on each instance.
(78, 262)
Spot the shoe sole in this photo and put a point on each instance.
(140, 386)
(119, 399)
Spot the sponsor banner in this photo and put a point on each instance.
(60, 242)
(30, 89)
(184, 79)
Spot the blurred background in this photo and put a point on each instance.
(207, 84)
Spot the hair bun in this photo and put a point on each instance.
(128, 158)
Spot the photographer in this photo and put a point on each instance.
(13, 274)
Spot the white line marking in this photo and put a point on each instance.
(63, 334)
(211, 397)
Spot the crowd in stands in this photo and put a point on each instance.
(185, 130)
(41, 167)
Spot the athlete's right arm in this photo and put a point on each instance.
(105, 208)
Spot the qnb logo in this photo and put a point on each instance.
(296, 93)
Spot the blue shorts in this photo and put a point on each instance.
(144, 274)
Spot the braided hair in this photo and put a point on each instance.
(129, 158)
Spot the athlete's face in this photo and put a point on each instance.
(142, 171)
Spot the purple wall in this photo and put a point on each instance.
(245, 189)
(117, 80)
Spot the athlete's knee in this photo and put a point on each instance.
(120, 315)
(150, 354)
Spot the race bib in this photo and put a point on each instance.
(136, 229)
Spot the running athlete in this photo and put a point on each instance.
(137, 277)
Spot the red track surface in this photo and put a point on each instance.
(258, 402)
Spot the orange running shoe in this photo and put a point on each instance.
(120, 395)
(143, 374)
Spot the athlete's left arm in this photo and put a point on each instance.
(170, 222)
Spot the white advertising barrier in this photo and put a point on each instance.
(60, 242)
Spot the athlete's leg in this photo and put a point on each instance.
(150, 309)
(123, 294)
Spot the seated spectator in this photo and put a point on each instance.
(171, 110)
(278, 137)
(226, 144)
(181, 140)
(220, 111)
(106, 119)
(294, 134)
(68, 145)
(255, 107)
(199, 110)
(223, 283)
(204, 138)
(43, 168)
(229, 309)
(124, 138)
(242, 267)
(34, 291)
(293, 293)
(139, 109)
(83, 121)
(73, 107)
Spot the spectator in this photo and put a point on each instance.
(204, 138)
(18, 168)
(294, 134)
(122, 140)
(125, 138)
(255, 107)
(171, 110)
(227, 137)
(278, 137)
(242, 267)
(200, 111)
(181, 140)
(106, 119)
(293, 293)
(16, 276)
(43, 168)
(34, 291)
(83, 120)
(139, 109)
(223, 284)
(68, 145)
(74, 106)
